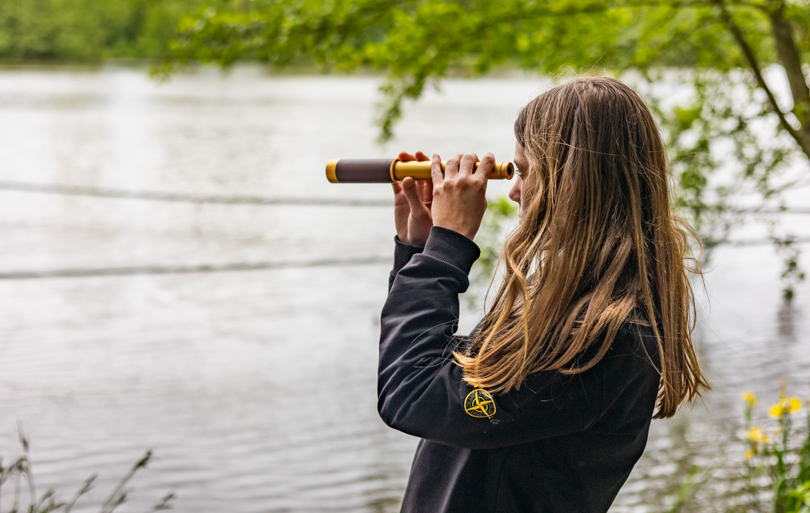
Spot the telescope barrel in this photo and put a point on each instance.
(394, 171)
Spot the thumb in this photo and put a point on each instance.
(418, 208)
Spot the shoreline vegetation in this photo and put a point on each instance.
(90, 31)
(303, 69)
(89, 35)
(27, 500)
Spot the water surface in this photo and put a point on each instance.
(257, 389)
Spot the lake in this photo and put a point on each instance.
(254, 378)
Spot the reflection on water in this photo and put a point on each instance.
(256, 389)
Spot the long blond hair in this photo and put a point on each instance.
(597, 247)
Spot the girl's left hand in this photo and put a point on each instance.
(412, 202)
(459, 196)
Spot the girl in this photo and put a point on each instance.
(547, 406)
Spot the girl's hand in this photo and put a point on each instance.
(459, 196)
(412, 204)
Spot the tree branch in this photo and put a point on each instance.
(804, 143)
(597, 7)
(791, 59)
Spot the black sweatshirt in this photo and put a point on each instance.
(559, 444)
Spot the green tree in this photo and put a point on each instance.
(731, 54)
(90, 30)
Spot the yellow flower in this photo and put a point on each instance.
(749, 398)
(755, 434)
(749, 454)
(794, 404)
(785, 406)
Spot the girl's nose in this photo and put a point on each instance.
(514, 192)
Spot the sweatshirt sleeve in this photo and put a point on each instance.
(402, 255)
(420, 387)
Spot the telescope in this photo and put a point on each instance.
(394, 170)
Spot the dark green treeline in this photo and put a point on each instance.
(90, 30)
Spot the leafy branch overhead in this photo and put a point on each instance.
(745, 63)
(419, 41)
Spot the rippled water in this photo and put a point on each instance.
(257, 389)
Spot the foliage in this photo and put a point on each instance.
(20, 469)
(694, 482)
(419, 41)
(731, 140)
(775, 458)
(88, 30)
(724, 46)
(731, 160)
(773, 474)
(490, 237)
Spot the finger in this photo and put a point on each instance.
(451, 167)
(421, 157)
(486, 166)
(399, 196)
(426, 191)
(467, 164)
(406, 157)
(436, 171)
(418, 209)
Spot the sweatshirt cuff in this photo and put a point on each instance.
(403, 253)
(452, 247)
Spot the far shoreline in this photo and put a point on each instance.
(254, 67)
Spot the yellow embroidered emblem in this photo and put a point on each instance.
(479, 403)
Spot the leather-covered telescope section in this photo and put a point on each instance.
(393, 171)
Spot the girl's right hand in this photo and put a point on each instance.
(412, 203)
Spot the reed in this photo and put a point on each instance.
(19, 474)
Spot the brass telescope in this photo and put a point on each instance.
(393, 171)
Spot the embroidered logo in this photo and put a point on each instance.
(479, 404)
